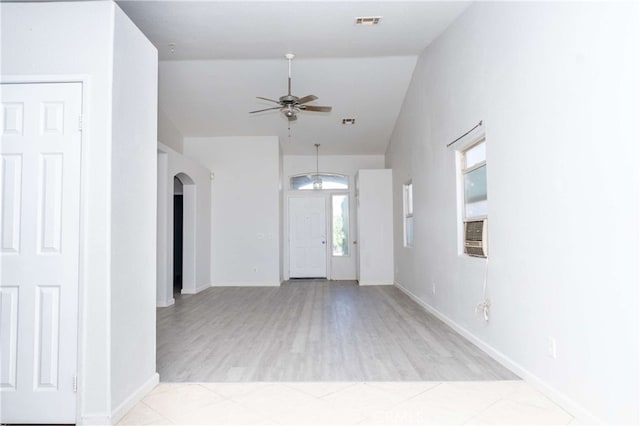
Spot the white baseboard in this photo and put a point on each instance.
(375, 283)
(94, 420)
(246, 284)
(556, 396)
(165, 304)
(121, 410)
(195, 290)
(339, 278)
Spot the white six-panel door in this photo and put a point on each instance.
(307, 237)
(39, 237)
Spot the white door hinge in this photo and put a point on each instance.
(75, 383)
(80, 123)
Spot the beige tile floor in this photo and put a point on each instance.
(326, 403)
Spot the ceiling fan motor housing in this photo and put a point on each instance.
(288, 99)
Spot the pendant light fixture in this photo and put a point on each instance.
(317, 182)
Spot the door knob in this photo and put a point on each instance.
(355, 242)
(323, 242)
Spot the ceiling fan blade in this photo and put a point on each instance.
(307, 98)
(315, 108)
(267, 99)
(266, 109)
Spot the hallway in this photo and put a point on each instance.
(315, 331)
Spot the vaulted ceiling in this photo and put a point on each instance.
(216, 57)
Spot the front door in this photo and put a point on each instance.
(307, 237)
(39, 236)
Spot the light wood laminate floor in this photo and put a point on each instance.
(312, 330)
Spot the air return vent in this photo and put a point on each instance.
(368, 20)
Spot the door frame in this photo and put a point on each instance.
(83, 80)
(326, 194)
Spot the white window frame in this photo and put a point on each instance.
(407, 214)
(461, 171)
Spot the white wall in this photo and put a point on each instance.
(281, 197)
(557, 85)
(245, 209)
(133, 211)
(163, 273)
(375, 227)
(33, 47)
(168, 133)
(343, 267)
(172, 163)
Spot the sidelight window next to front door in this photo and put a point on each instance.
(340, 224)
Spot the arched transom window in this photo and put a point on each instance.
(319, 181)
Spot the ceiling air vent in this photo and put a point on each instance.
(348, 121)
(368, 20)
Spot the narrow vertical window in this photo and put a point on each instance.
(474, 178)
(474, 200)
(407, 192)
(340, 224)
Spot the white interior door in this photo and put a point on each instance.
(307, 237)
(39, 237)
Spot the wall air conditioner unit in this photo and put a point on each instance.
(475, 238)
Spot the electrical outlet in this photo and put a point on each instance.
(433, 288)
(551, 347)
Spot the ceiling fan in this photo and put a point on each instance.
(289, 104)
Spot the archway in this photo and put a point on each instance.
(171, 177)
(178, 216)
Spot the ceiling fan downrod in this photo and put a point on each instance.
(289, 57)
